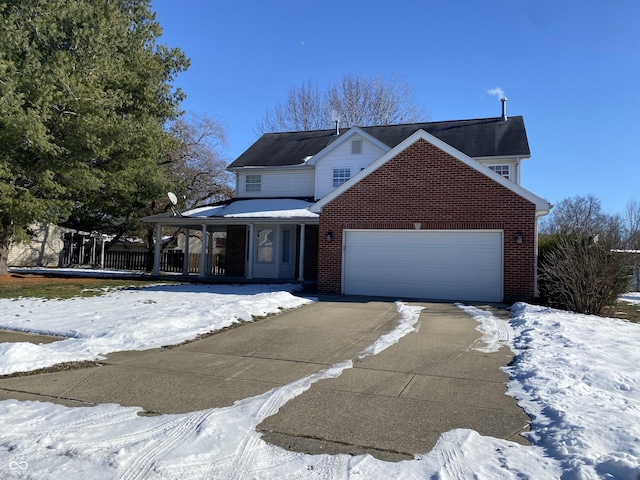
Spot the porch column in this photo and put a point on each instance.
(185, 259)
(301, 262)
(102, 252)
(158, 250)
(203, 252)
(211, 241)
(250, 256)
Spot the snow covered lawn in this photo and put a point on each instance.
(131, 319)
(577, 376)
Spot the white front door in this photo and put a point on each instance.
(274, 251)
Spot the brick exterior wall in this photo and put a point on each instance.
(234, 259)
(423, 184)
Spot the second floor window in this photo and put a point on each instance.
(340, 175)
(501, 170)
(253, 183)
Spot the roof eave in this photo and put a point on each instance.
(541, 204)
(300, 166)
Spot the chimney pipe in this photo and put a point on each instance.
(337, 127)
(504, 109)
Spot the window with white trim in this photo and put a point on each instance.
(340, 175)
(501, 170)
(253, 183)
(356, 147)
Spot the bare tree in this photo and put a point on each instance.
(579, 268)
(304, 109)
(580, 215)
(362, 101)
(631, 220)
(197, 168)
(354, 100)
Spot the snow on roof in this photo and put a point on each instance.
(256, 208)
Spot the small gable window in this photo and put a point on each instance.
(253, 183)
(356, 147)
(501, 170)
(340, 175)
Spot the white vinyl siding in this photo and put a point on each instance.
(279, 183)
(341, 158)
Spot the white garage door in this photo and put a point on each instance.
(435, 264)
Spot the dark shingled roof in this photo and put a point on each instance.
(484, 137)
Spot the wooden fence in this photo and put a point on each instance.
(171, 261)
(81, 253)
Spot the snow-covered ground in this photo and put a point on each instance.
(134, 319)
(577, 376)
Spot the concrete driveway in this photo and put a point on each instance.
(393, 405)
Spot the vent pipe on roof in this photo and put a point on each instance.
(504, 109)
(337, 127)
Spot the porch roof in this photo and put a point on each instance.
(267, 210)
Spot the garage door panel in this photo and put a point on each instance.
(450, 265)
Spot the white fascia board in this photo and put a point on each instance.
(542, 206)
(259, 168)
(343, 138)
(502, 158)
(194, 222)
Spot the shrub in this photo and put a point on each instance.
(579, 273)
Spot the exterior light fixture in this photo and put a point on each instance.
(519, 238)
(329, 236)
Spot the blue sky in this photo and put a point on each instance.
(570, 68)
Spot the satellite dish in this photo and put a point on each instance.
(172, 198)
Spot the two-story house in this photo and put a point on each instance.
(425, 210)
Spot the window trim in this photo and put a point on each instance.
(498, 168)
(255, 184)
(338, 176)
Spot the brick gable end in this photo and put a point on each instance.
(425, 185)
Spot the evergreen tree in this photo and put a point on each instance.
(85, 96)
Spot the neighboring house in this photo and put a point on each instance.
(426, 210)
(46, 248)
